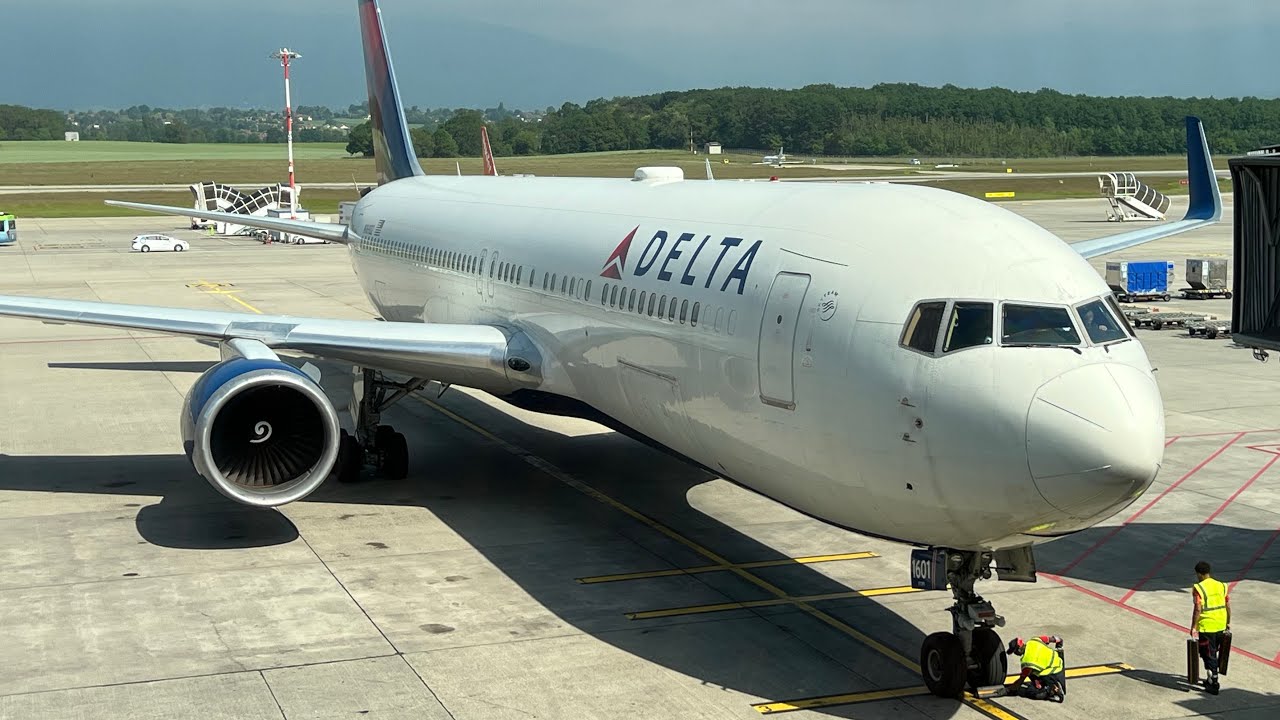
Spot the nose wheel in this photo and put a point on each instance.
(374, 444)
(972, 654)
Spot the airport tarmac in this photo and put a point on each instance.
(533, 566)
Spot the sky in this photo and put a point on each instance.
(82, 54)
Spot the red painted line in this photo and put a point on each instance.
(1228, 432)
(1171, 440)
(1177, 548)
(1155, 618)
(1107, 538)
(1256, 557)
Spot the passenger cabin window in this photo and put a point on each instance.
(1099, 324)
(653, 299)
(1036, 325)
(693, 318)
(970, 326)
(922, 329)
(586, 293)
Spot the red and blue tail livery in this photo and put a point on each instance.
(392, 146)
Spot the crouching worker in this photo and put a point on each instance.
(1042, 669)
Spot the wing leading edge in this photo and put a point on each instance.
(1205, 207)
(479, 356)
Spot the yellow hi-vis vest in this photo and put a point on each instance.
(1041, 658)
(1213, 606)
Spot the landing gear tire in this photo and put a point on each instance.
(395, 456)
(350, 459)
(992, 663)
(942, 664)
(382, 435)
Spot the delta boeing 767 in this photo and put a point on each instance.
(987, 397)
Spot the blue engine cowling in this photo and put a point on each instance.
(260, 431)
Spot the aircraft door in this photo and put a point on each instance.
(484, 255)
(493, 267)
(778, 339)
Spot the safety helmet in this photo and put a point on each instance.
(1016, 646)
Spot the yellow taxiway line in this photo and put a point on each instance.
(874, 695)
(808, 560)
(789, 600)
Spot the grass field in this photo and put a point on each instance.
(55, 151)
(253, 166)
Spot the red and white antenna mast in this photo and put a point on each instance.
(285, 55)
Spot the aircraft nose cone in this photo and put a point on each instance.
(1095, 438)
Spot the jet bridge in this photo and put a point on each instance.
(1255, 302)
(1131, 199)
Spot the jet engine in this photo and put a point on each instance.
(258, 429)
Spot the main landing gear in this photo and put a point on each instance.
(373, 443)
(972, 653)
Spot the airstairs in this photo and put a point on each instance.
(210, 195)
(1131, 199)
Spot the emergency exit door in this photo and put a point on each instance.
(778, 339)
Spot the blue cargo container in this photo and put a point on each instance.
(1140, 280)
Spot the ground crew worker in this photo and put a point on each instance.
(1042, 666)
(1209, 620)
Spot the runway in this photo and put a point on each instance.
(534, 566)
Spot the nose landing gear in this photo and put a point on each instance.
(972, 653)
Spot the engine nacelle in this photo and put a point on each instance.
(260, 431)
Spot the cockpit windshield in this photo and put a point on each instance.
(1036, 325)
(1101, 326)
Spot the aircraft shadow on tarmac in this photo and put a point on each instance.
(505, 509)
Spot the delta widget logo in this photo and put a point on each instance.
(617, 262)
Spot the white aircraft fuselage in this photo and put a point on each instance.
(793, 380)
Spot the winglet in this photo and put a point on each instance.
(1206, 200)
(392, 146)
(1204, 207)
(709, 175)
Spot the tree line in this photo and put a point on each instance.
(883, 120)
(23, 123)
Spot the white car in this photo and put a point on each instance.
(147, 243)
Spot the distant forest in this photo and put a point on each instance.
(884, 120)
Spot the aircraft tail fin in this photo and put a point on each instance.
(1204, 208)
(490, 168)
(392, 146)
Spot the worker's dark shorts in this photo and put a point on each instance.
(1210, 643)
(1044, 687)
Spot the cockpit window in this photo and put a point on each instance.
(1036, 325)
(970, 325)
(922, 329)
(1115, 308)
(1099, 324)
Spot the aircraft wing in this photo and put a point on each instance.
(332, 232)
(1205, 208)
(470, 355)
